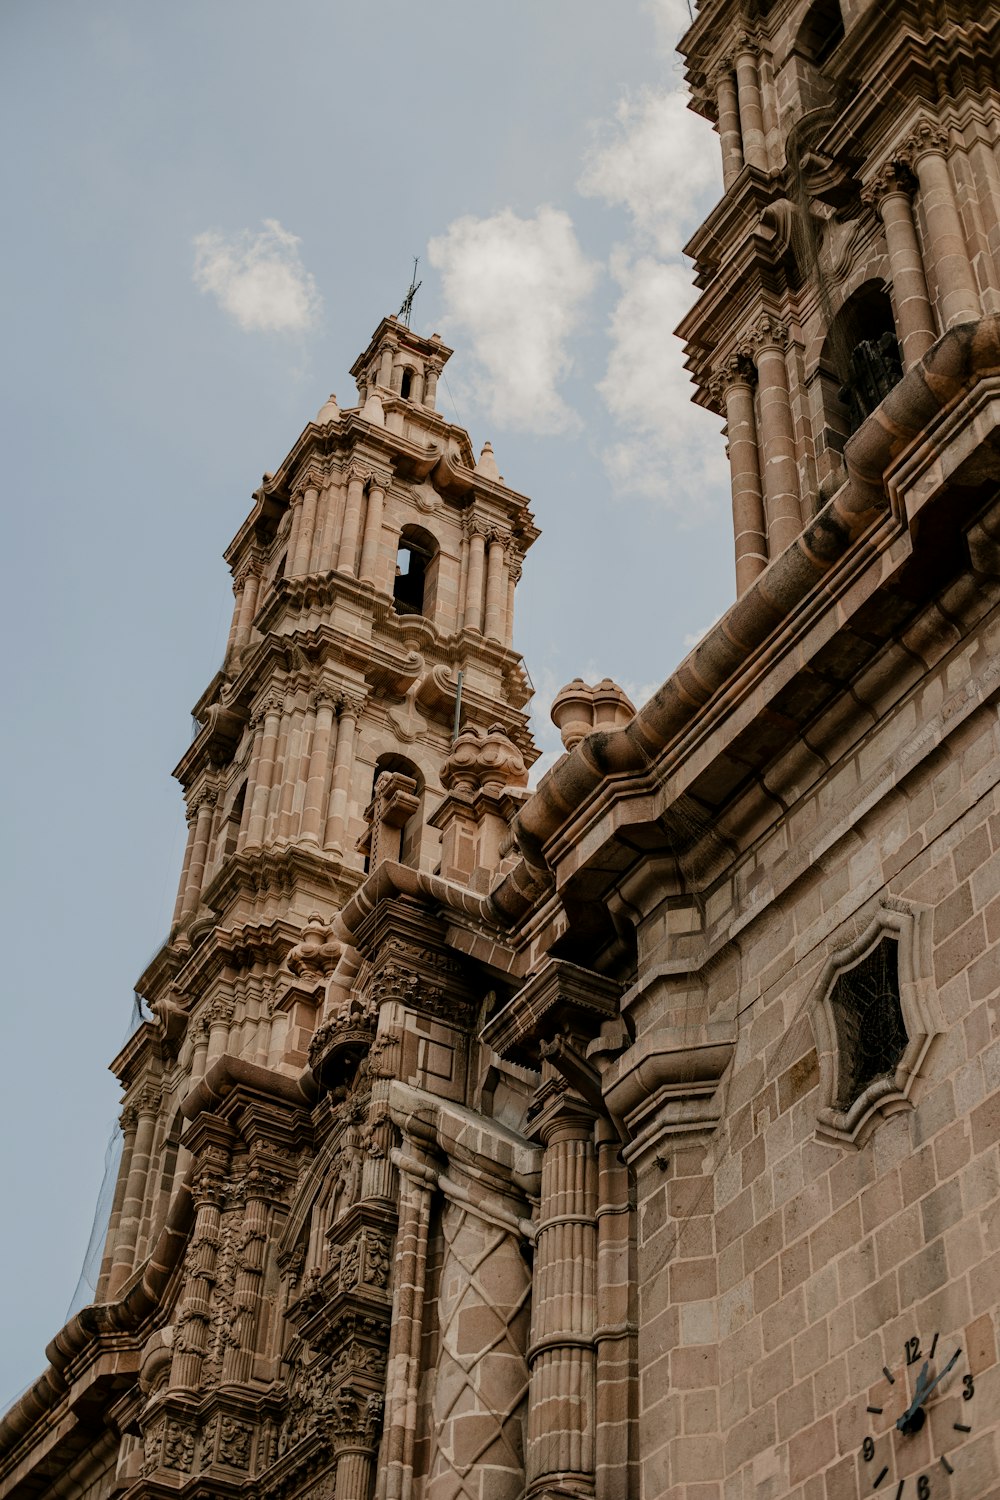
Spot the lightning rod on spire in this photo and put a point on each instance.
(407, 306)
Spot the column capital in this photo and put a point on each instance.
(767, 333)
(379, 479)
(474, 525)
(351, 702)
(737, 368)
(927, 138)
(147, 1100)
(745, 41)
(721, 71)
(893, 179)
(358, 472)
(310, 480)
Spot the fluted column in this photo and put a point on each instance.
(291, 551)
(891, 193)
(777, 437)
(199, 850)
(336, 823)
(348, 554)
(373, 532)
(356, 1423)
(561, 1408)
(299, 564)
(319, 758)
(474, 578)
(192, 1324)
(406, 1334)
(494, 589)
(926, 151)
(323, 552)
(295, 746)
(751, 108)
(735, 382)
(730, 135)
(265, 771)
(147, 1105)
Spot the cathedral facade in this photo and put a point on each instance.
(638, 1136)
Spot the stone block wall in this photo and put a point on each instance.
(778, 1272)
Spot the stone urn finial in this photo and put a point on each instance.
(316, 953)
(578, 709)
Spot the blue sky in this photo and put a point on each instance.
(210, 207)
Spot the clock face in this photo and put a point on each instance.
(920, 1411)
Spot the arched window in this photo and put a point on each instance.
(821, 32)
(415, 584)
(234, 821)
(861, 361)
(405, 384)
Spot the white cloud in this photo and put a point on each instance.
(661, 164)
(669, 450)
(258, 279)
(516, 288)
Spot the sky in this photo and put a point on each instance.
(210, 208)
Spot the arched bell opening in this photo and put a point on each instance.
(414, 588)
(861, 355)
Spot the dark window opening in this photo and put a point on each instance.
(862, 352)
(279, 571)
(871, 1033)
(409, 586)
(822, 31)
(234, 820)
(406, 384)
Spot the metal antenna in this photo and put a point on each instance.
(404, 312)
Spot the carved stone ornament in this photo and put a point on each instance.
(178, 1446)
(484, 758)
(891, 180)
(317, 952)
(234, 1443)
(767, 333)
(926, 138)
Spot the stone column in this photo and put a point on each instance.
(312, 811)
(248, 605)
(291, 551)
(368, 571)
(260, 1187)
(336, 823)
(561, 1411)
(479, 1393)
(891, 193)
(730, 136)
(615, 1331)
(333, 497)
(926, 151)
(348, 554)
(750, 106)
(304, 537)
(430, 383)
(386, 353)
(356, 1422)
(403, 1368)
(474, 578)
(192, 1323)
(190, 819)
(253, 773)
(735, 382)
(128, 1122)
(513, 578)
(417, 388)
(777, 436)
(290, 773)
(147, 1106)
(265, 771)
(494, 589)
(205, 806)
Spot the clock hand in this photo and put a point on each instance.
(922, 1391)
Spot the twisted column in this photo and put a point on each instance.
(750, 105)
(890, 193)
(146, 1105)
(347, 557)
(561, 1411)
(735, 383)
(367, 572)
(926, 152)
(777, 436)
(730, 134)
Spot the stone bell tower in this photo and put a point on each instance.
(368, 716)
(860, 221)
